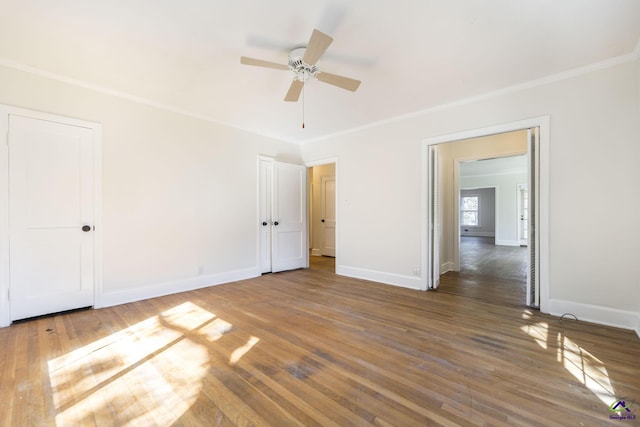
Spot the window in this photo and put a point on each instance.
(469, 214)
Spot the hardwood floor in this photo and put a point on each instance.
(311, 348)
(481, 256)
(323, 263)
(490, 273)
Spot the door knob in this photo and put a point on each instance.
(264, 223)
(276, 223)
(86, 228)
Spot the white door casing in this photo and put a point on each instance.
(533, 157)
(541, 227)
(433, 214)
(52, 187)
(328, 220)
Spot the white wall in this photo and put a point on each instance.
(179, 200)
(594, 151)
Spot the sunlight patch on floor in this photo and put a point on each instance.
(579, 362)
(538, 331)
(147, 374)
(586, 368)
(241, 351)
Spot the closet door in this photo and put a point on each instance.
(51, 215)
(289, 230)
(283, 211)
(264, 207)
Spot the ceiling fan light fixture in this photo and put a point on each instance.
(302, 70)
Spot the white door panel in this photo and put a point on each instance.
(265, 197)
(283, 216)
(289, 217)
(50, 199)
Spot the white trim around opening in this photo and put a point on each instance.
(543, 122)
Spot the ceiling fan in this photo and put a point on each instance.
(302, 61)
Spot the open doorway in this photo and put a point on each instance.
(442, 161)
(492, 214)
(322, 216)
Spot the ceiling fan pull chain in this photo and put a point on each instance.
(303, 105)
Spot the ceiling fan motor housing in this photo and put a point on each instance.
(302, 69)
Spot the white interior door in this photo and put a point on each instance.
(433, 220)
(289, 230)
(51, 198)
(533, 281)
(328, 201)
(283, 216)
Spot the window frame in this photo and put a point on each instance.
(477, 210)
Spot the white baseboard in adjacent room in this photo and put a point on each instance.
(507, 242)
(446, 267)
(124, 296)
(477, 234)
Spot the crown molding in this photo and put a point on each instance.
(565, 75)
(15, 65)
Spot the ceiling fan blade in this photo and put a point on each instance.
(340, 81)
(261, 63)
(318, 43)
(294, 91)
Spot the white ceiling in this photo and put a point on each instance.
(411, 55)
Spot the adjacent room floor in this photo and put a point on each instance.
(496, 274)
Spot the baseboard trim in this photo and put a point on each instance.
(125, 296)
(315, 252)
(597, 314)
(507, 242)
(477, 234)
(400, 280)
(446, 267)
